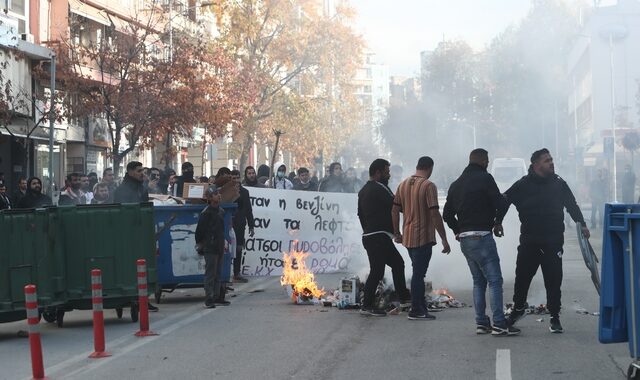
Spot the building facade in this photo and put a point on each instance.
(603, 69)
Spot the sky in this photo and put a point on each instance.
(398, 30)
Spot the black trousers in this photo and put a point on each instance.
(382, 252)
(237, 261)
(212, 274)
(530, 257)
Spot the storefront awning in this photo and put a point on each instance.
(24, 128)
(81, 9)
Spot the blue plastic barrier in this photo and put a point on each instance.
(620, 294)
(178, 264)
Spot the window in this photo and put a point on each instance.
(19, 9)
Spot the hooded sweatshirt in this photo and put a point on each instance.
(540, 202)
(281, 182)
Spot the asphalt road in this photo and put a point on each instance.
(262, 335)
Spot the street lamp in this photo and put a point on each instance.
(613, 33)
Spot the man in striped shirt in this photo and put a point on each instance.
(417, 200)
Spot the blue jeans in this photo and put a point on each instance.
(483, 260)
(420, 258)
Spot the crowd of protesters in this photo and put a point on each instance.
(90, 189)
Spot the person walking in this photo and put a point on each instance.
(210, 243)
(540, 198)
(417, 199)
(375, 201)
(470, 212)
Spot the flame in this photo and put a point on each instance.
(301, 279)
(442, 292)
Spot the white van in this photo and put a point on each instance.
(506, 171)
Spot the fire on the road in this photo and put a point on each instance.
(301, 279)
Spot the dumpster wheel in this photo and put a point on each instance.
(633, 373)
(49, 316)
(119, 312)
(60, 317)
(134, 312)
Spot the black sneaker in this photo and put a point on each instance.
(555, 326)
(209, 304)
(405, 302)
(417, 316)
(373, 312)
(504, 331)
(152, 308)
(516, 315)
(222, 302)
(483, 329)
(240, 279)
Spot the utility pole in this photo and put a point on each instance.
(52, 118)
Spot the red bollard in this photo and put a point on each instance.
(31, 303)
(98, 315)
(143, 299)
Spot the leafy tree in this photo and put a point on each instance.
(303, 62)
(144, 96)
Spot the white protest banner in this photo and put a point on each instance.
(325, 225)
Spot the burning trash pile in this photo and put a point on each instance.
(351, 291)
(442, 299)
(348, 295)
(298, 280)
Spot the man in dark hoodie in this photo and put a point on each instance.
(242, 216)
(251, 178)
(470, 211)
(210, 244)
(132, 188)
(263, 174)
(186, 177)
(335, 182)
(304, 182)
(540, 198)
(34, 197)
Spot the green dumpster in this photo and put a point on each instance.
(110, 238)
(30, 254)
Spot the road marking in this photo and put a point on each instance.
(128, 343)
(503, 364)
